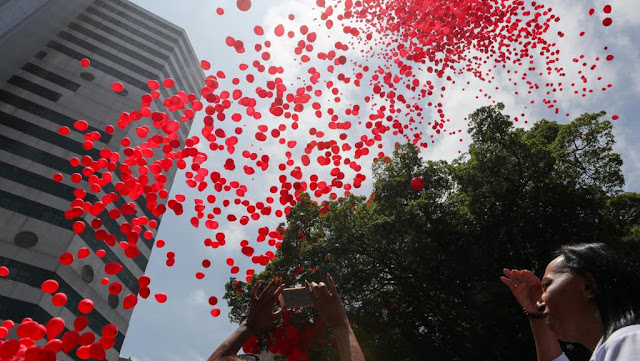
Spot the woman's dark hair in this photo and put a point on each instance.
(617, 293)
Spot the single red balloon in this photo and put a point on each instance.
(243, 5)
(417, 183)
(54, 327)
(49, 286)
(59, 299)
(85, 306)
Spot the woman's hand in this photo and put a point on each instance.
(526, 288)
(327, 302)
(261, 315)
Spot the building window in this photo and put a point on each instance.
(123, 93)
(34, 88)
(26, 239)
(41, 55)
(87, 76)
(87, 274)
(113, 301)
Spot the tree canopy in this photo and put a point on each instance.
(418, 271)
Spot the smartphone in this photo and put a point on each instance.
(295, 298)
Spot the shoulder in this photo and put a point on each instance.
(622, 345)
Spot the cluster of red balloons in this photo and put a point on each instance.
(401, 42)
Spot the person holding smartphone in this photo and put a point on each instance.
(260, 316)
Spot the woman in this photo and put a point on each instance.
(589, 295)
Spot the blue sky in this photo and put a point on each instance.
(183, 328)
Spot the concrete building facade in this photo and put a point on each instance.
(43, 88)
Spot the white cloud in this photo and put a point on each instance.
(197, 297)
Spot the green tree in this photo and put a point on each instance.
(418, 270)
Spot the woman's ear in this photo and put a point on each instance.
(590, 286)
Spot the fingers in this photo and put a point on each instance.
(279, 313)
(267, 290)
(253, 292)
(520, 276)
(270, 293)
(530, 276)
(516, 276)
(332, 286)
(309, 288)
(509, 283)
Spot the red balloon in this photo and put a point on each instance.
(117, 87)
(78, 227)
(81, 125)
(215, 312)
(243, 5)
(70, 340)
(417, 183)
(168, 83)
(144, 281)
(59, 299)
(49, 286)
(80, 323)
(110, 330)
(66, 258)
(54, 327)
(83, 352)
(83, 252)
(129, 301)
(113, 268)
(107, 342)
(54, 346)
(26, 329)
(47, 355)
(161, 297)
(144, 292)
(39, 333)
(85, 62)
(9, 348)
(33, 353)
(97, 351)
(85, 306)
(115, 288)
(4, 271)
(87, 338)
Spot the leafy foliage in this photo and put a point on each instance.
(418, 270)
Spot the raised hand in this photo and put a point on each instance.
(261, 315)
(526, 288)
(327, 302)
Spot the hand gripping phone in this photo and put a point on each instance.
(295, 298)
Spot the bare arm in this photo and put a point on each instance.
(527, 289)
(260, 316)
(547, 345)
(230, 347)
(347, 344)
(327, 303)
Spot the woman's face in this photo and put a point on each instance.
(565, 303)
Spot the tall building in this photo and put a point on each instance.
(43, 87)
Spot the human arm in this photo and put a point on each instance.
(260, 316)
(327, 302)
(527, 289)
